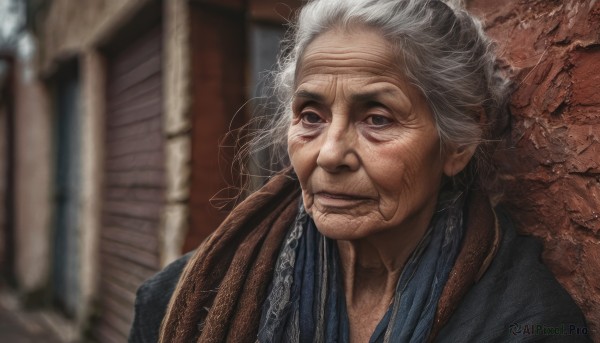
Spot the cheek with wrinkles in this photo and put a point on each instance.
(300, 149)
(397, 173)
(308, 201)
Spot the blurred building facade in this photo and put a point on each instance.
(113, 152)
(110, 130)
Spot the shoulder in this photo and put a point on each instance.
(152, 299)
(517, 299)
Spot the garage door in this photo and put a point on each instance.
(134, 180)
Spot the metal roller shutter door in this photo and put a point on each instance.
(133, 182)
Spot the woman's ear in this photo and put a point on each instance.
(457, 158)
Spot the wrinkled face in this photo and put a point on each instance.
(362, 141)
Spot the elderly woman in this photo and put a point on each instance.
(380, 229)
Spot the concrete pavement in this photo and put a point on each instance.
(20, 326)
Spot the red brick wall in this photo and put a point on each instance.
(552, 176)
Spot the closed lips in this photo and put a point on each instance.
(342, 196)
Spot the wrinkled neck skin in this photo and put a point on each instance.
(371, 268)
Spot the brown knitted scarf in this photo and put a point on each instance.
(221, 291)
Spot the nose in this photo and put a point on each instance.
(338, 150)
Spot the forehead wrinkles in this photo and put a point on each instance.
(337, 61)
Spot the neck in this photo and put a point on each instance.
(371, 267)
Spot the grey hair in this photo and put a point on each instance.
(445, 54)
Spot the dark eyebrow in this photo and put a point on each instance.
(309, 95)
(360, 97)
(370, 96)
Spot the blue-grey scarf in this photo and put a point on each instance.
(306, 301)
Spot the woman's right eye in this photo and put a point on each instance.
(310, 118)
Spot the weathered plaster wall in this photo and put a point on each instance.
(552, 175)
(72, 26)
(93, 106)
(177, 124)
(33, 180)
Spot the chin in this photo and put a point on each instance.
(340, 227)
(337, 235)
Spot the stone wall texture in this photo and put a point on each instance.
(551, 169)
(33, 177)
(72, 26)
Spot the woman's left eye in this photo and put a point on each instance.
(378, 120)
